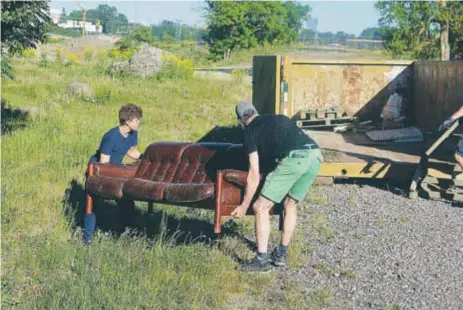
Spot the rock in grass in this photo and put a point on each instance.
(80, 89)
(146, 62)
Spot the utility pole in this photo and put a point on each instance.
(84, 14)
(444, 33)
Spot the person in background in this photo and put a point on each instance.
(445, 125)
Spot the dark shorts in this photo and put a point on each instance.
(459, 150)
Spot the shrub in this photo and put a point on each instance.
(28, 53)
(71, 59)
(7, 67)
(175, 68)
(102, 60)
(59, 55)
(102, 54)
(125, 54)
(43, 61)
(88, 53)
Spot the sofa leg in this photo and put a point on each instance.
(90, 218)
(217, 224)
(88, 204)
(218, 203)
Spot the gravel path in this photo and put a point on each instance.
(374, 249)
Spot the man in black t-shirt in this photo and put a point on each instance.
(274, 142)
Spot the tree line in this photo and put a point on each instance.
(422, 30)
(416, 29)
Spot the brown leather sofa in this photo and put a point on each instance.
(200, 175)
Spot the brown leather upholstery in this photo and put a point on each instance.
(144, 190)
(199, 162)
(231, 195)
(170, 171)
(236, 177)
(105, 186)
(188, 192)
(111, 170)
(161, 161)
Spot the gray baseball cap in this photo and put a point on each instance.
(244, 110)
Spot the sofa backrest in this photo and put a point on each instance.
(161, 161)
(178, 162)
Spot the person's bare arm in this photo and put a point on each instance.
(448, 122)
(457, 114)
(252, 183)
(133, 153)
(104, 158)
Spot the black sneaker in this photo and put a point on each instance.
(277, 258)
(256, 265)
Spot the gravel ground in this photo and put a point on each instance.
(374, 248)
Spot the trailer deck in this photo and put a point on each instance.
(354, 155)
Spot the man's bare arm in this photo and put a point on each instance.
(133, 153)
(252, 180)
(457, 114)
(104, 158)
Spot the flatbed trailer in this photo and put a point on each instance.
(352, 155)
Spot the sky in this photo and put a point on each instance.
(347, 16)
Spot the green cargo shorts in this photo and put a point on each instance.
(293, 175)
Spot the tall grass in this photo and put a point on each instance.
(44, 264)
(165, 263)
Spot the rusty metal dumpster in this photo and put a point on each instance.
(361, 88)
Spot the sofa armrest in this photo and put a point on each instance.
(229, 194)
(118, 171)
(237, 177)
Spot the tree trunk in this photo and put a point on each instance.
(444, 36)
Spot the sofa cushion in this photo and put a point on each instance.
(145, 190)
(231, 194)
(108, 187)
(188, 192)
(198, 163)
(126, 171)
(239, 177)
(161, 161)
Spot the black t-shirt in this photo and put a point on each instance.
(273, 137)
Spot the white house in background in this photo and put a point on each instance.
(55, 15)
(90, 28)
